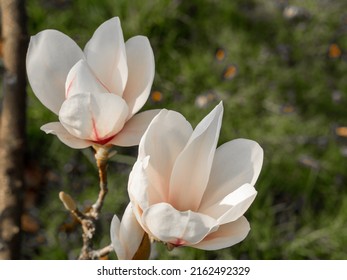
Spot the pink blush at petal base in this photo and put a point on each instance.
(69, 87)
(103, 141)
(177, 243)
(98, 139)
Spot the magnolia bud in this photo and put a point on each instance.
(68, 202)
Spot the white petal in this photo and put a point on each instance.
(81, 79)
(138, 185)
(117, 244)
(227, 235)
(140, 189)
(233, 206)
(105, 53)
(131, 233)
(192, 167)
(236, 163)
(178, 228)
(140, 61)
(164, 139)
(134, 129)
(50, 56)
(95, 117)
(64, 136)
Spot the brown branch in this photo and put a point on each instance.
(12, 123)
(101, 157)
(88, 227)
(97, 254)
(88, 219)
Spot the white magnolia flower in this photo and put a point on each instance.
(184, 191)
(96, 92)
(126, 236)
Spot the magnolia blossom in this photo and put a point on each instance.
(184, 191)
(126, 236)
(95, 92)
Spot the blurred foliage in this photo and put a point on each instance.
(279, 68)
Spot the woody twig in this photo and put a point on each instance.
(89, 218)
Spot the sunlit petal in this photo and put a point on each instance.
(140, 61)
(131, 233)
(138, 184)
(117, 244)
(192, 167)
(64, 136)
(227, 235)
(95, 117)
(81, 79)
(50, 56)
(165, 138)
(106, 55)
(232, 206)
(235, 163)
(134, 128)
(176, 227)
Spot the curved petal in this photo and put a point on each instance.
(140, 61)
(235, 163)
(192, 167)
(81, 79)
(117, 244)
(138, 185)
(50, 56)
(140, 189)
(134, 129)
(227, 235)
(163, 141)
(233, 206)
(64, 136)
(126, 236)
(175, 227)
(95, 117)
(106, 55)
(131, 233)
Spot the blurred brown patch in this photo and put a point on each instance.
(287, 109)
(230, 72)
(220, 54)
(156, 96)
(29, 224)
(334, 51)
(69, 227)
(341, 131)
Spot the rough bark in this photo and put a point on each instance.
(12, 126)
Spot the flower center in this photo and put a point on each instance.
(177, 243)
(103, 141)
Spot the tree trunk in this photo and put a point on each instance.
(12, 126)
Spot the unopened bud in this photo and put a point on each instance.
(68, 202)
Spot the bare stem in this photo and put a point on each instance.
(97, 254)
(88, 227)
(101, 157)
(88, 219)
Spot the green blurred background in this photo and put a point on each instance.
(280, 68)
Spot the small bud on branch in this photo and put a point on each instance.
(68, 202)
